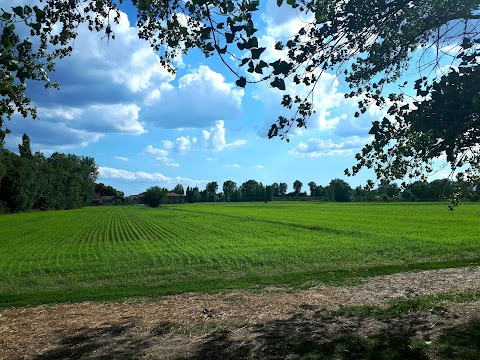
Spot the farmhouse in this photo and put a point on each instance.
(104, 200)
(174, 198)
(136, 199)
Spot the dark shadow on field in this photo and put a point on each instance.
(314, 335)
(327, 337)
(113, 341)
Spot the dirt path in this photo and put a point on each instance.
(232, 325)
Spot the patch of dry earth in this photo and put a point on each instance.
(180, 325)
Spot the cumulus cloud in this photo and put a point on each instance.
(112, 173)
(161, 155)
(154, 151)
(121, 158)
(200, 97)
(284, 21)
(182, 145)
(235, 144)
(257, 167)
(232, 166)
(321, 147)
(102, 90)
(49, 136)
(215, 138)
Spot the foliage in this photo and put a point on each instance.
(229, 187)
(341, 190)
(179, 189)
(154, 196)
(32, 181)
(370, 44)
(106, 190)
(297, 186)
(100, 253)
(211, 191)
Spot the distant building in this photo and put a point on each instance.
(104, 200)
(136, 199)
(174, 198)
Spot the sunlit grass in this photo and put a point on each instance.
(117, 252)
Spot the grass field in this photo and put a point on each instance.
(107, 253)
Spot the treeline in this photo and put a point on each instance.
(337, 190)
(35, 182)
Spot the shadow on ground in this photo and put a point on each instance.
(316, 335)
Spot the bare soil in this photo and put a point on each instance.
(271, 324)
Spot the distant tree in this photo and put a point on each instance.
(441, 188)
(276, 190)
(269, 193)
(179, 189)
(341, 190)
(193, 194)
(282, 189)
(211, 191)
(419, 189)
(237, 195)
(229, 188)
(24, 148)
(312, 187)
(252, 191)
(154, 196)
(387, 189)
(32, 181)
(297, 186)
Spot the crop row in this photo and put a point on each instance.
(133, 248)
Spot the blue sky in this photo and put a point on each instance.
(147, 127)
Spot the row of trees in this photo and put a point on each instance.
(337, 190)
(32, 181)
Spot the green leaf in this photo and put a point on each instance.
(18, 10)
(39, 13)
(229, 37)
(206, 33)
(257, 52)
(241, 82)
(292, 3)
(6, 16)
(36, 26)
(278, 83)
(279, 2)
(261, 65)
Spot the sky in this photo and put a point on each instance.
(145, 126)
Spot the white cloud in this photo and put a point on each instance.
(232, 166)
(161, 155)
(112, 173)
(235, 144)
(102, 89)
(121, 158)
(215, 138)
(182, 145)
(154, 151)
(284, 21)
(200, 97)
(320, 147)
(211, 159)
(167, 144)
(257, 167)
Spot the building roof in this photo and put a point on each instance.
(174, 194)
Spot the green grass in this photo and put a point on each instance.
(107, 253)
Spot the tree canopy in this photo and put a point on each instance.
(370, 45)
